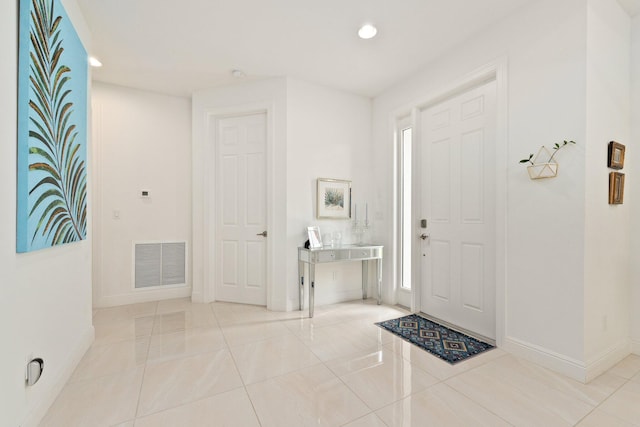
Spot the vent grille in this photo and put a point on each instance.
(159, 264)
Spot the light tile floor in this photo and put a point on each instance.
(174, 363)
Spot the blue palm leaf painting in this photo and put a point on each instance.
(52, 131)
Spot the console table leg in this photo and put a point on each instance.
(312, 281)
(365, 278)
(379, 262)
(301, 284)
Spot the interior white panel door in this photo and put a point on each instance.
(241, 209)
(458, 201)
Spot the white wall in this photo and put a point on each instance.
(314, 132)
(45, 296)
(142, 141)
(607, 237)
(633, 195)
(269, 95)
(545, 46)
(328, 136)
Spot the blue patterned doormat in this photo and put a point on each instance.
(438, 340)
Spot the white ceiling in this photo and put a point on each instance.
(177, 47)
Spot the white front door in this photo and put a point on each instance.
(241, 206)
(458, 201)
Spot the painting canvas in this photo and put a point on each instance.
(52, 128)
(334, 199)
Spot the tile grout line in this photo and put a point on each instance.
(146, 361)
(627, 380)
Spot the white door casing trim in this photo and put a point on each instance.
(207, 235)
(495, 70)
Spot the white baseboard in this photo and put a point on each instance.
(607, 360)
(549, 359)
(143, 295)
(579, 371)
(40, 410)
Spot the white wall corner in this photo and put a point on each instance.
(45, 401)
(549, 359)
(635, 347)
(607, 359)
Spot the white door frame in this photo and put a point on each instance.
(496, 70)
(210, 233)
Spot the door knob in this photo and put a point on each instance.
(424, 236)
(263, 234)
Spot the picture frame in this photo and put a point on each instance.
(616, 188)
(615, 157)
(333, 199)
(315, 238)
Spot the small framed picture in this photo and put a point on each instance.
(616, 155)
(315, 239)
(334, 199)
(616, 188)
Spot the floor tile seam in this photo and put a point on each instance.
(253, 405)
(259, 339)
(186, 356)
(587, 415)
(610, 396)
(585, 400)
(190, 402)
(242, 380)
(555, 387)
(117, 372)
(373, 410)
(289, 335)
(531, 398)
(144, 373)
(413, 366)
(280, 375)
(197, 328)
(489, 410)
(120, 319)
(109, 344)
(457, 374)
(526, 390)
(101, 377)
(365, 415)
(355, 394)
(215, 316)
(99, 342)
(633, 423)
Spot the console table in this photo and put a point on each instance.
(363, 253)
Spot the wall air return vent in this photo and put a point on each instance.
(160, 264)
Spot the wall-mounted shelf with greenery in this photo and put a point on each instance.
(543, 165)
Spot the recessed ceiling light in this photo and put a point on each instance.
(367, 31)
(94, 62)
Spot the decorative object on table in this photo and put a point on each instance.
(615, 157)
(52, 128)
(445, 343)
(337, 239)
(543, 165)
(334, 199)
(315, 239)
(360, 227)
(616, 188)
